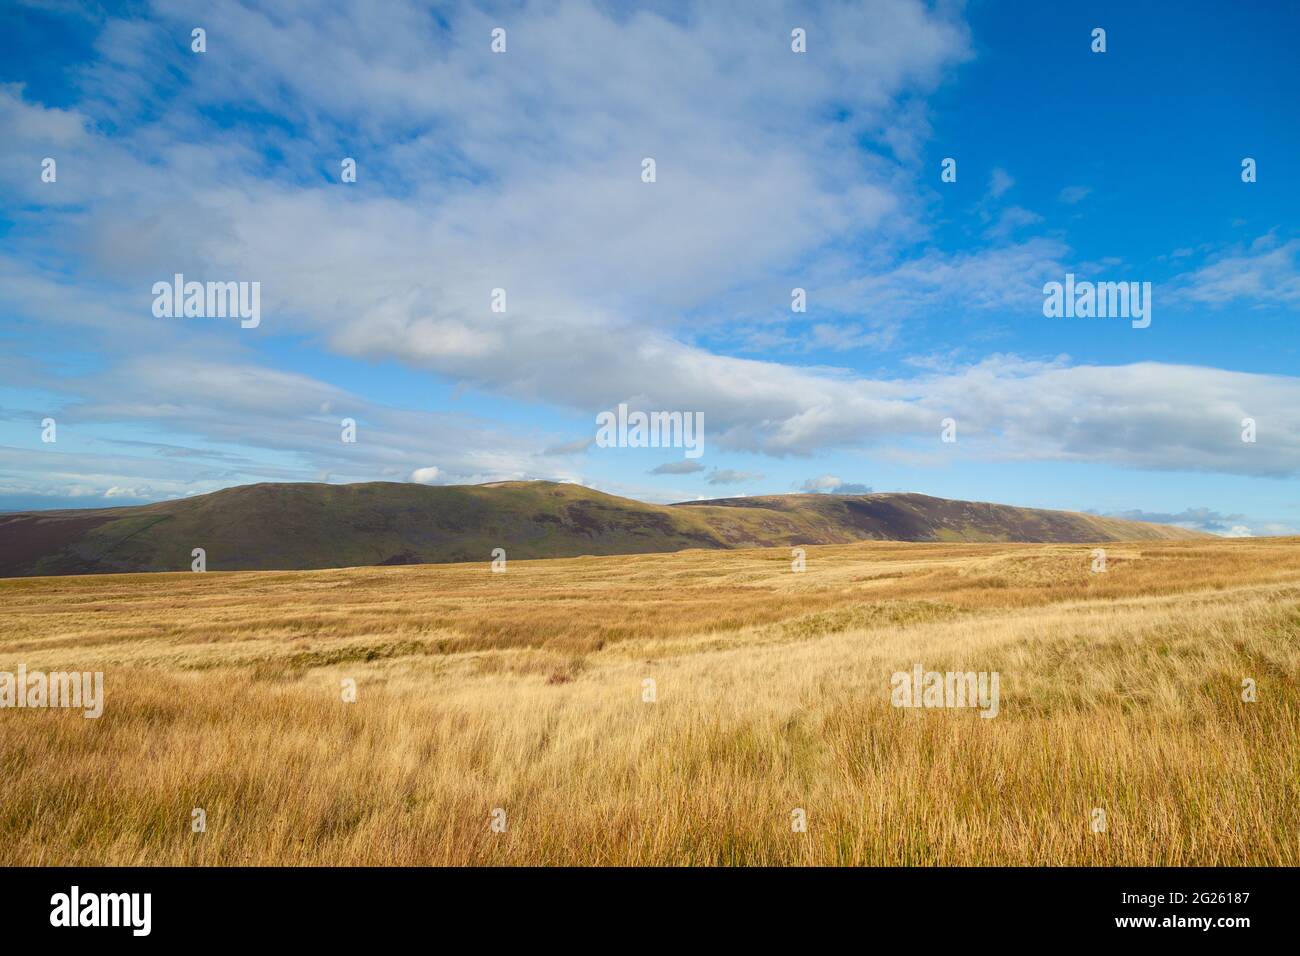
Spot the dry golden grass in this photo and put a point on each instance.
(523, 691)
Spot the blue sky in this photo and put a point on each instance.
(774, 170)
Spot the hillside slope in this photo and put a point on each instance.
(302, 526)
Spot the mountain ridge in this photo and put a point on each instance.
(299, 526)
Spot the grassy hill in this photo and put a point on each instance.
(308, 526)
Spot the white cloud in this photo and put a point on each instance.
(1000, 182)
(521, 172)
(1201, 519)
(575, 447)
(1265, 273)
(830, 484)
(730, 476)
(1012, 220)
(822, 483)
(686, 467)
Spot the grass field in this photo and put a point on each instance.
(524, 691)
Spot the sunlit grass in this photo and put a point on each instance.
(1120, 691)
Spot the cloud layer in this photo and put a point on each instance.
(522, 172)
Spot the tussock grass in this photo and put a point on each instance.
(1119, 691)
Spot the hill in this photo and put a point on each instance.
(309, 526)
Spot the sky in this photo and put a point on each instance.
(524, 171)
